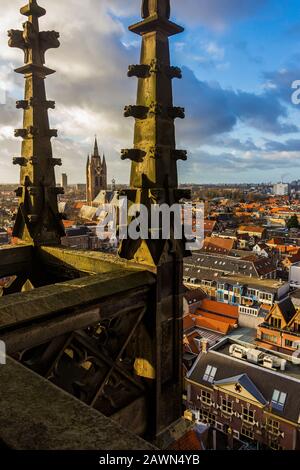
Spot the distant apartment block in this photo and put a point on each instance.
(281, 189)
(294, 275)
(64, 180)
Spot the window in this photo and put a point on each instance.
(248, 415)
(270, 338)
(206, 418)
(297, 327)
(273, 427)
(275, 445)
(278, 400)
(209, 374)
(289, 343)
(219, 426)
(265, 296)
(247, 433)
(276, 322)
(226, 405)
(251, 292)
(205, 397)
(249, 311)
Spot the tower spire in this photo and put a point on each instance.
(38, 220)
(154, 178)
(154, 181)
(96, 149)
(160, 8)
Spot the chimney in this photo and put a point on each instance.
(204, 345)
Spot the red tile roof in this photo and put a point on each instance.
(220, 245)
(68, 223)
(187, 322)
(215, 316)
(220, 308)
(214, 325)
(251, 228)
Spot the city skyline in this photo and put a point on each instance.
(240, 123)
(155, 315)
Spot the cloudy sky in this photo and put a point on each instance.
(239, 59)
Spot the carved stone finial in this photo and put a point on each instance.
(37, 219)
(33, 9)
(159, 7)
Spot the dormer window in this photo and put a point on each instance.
(278, 400)
(209, 374)
(297, 327)
(276, 322)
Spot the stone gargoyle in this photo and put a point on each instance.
(23, 39)
(28, 39)
(48, 40)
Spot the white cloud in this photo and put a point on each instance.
(214, 51)
(91, 87)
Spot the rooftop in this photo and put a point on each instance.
(295, 294)
(265, 380)
(269, 284)
(292, 369)
(219, 308)
(225, 264)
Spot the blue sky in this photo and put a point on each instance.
(239, 58)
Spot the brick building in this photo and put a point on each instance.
(247, 395)
(280, 330)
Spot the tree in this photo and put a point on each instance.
(292, 222)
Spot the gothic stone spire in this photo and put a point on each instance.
(154, 156)
(160, 8)
(96, 149)
(38, 220)
(154, 181)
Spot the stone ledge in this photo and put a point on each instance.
(44, 302)
(36, 415)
